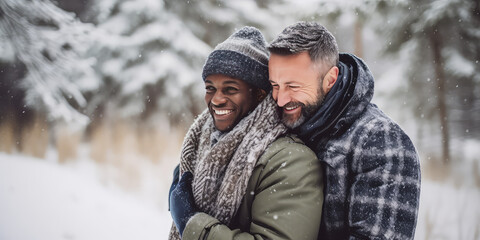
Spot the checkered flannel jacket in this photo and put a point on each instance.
(372, 170)
(372, 184)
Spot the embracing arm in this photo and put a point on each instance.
(287, 201)
(385, 189)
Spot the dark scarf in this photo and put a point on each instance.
(323, 123)
(222, 170)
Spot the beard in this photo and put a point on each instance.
(306, 112)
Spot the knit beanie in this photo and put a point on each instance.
(242, 56)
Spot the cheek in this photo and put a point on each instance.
(313, 94)
(306, 96)
(208, 98)
(246, 104)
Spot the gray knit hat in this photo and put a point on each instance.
(243, 56)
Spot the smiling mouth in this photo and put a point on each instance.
(222, 112)
(291, 107)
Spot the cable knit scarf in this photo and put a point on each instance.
(222, 170)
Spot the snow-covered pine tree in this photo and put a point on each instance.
(213, 21)
(441, 38)
(152, 52)
(48, 42)
(147, 59)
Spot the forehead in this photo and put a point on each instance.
(220, 79)
(293, 68)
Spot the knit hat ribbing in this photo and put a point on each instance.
(242, 56)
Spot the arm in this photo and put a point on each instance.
(287, 203)
(385, 188)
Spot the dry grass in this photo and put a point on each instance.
(67, 142)
(128, 154)
(157, 142)
(34, 138)
(435, 170)
(110, 142)
(7, 136)
(100, 143)
(460, 172)
(123, 147)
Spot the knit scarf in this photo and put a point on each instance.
(222, 170)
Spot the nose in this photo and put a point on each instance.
(282, 97)
(218, 99)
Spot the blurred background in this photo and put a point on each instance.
(96, 97)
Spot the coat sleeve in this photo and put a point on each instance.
(287, 201)
(385, 187)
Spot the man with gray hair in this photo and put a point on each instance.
(372, 170)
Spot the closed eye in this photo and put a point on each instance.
(274, 84)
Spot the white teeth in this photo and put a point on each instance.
(291, 108)
(222, 112)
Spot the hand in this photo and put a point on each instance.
(182, 203)
(176, 176)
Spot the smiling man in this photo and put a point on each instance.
(372, 171)
(229, 99)
(297, 75)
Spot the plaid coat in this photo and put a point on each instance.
(372, 171)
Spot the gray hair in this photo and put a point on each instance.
(307, 36)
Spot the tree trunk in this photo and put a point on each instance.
(358, 37)
(436, 44)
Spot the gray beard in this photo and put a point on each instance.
(297, 123)
(307, 112)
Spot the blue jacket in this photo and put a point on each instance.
(372, 170)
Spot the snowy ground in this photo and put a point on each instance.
(448, 212)
(41, 200)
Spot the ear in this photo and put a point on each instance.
(260, 95)
(330, 79)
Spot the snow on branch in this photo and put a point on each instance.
(48, 40)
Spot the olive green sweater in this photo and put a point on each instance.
(283, 200)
